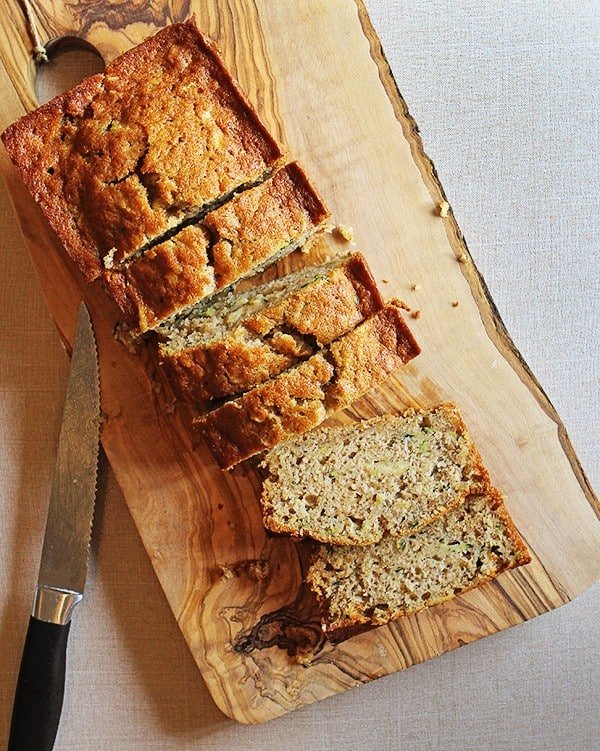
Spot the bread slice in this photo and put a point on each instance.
(398, 576)
(352, 485)
(126, 155)
(301, 398)
(235, 341)
(253, 229)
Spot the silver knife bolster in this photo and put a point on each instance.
(54, 605)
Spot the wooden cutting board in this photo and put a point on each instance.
(316, 73)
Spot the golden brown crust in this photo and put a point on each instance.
(364, 284)
(223, 368)
(358, 358)
(325, 311)
(281, 334)
(292, 403)
(120, 158)
(258, 224)
(226, 245)
(162, 280)
(301, 398)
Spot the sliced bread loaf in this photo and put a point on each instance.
(398, 576)
(300, 398)
(235, 341)
(252, 230)
(352, 485)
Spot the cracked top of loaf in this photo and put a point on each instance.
(254, 228)
(124, 156)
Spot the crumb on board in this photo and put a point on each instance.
(227, 572)
(385, 281)
(415, 286)
(305, 658)
(123, 336)
(109, 259)
(455, 303)
(257, 569)
(462, 258)
(443, 208)
(345, 232)
(415, 314)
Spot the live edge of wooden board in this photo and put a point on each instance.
(318, 76)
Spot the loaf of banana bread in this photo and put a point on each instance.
(250, 231)
(302, 397)
(124, 156)
(237, 340)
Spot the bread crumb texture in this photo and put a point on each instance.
(255, 569)
(345, 232)
(352, 485)
(399, 576)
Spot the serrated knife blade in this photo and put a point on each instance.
(64, 562)
(70, 512)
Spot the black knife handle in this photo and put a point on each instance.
(40, 687)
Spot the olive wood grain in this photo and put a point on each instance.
(317, 74)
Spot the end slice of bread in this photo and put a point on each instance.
(352, 485)
(399, 576)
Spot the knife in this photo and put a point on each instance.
(63, 568)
